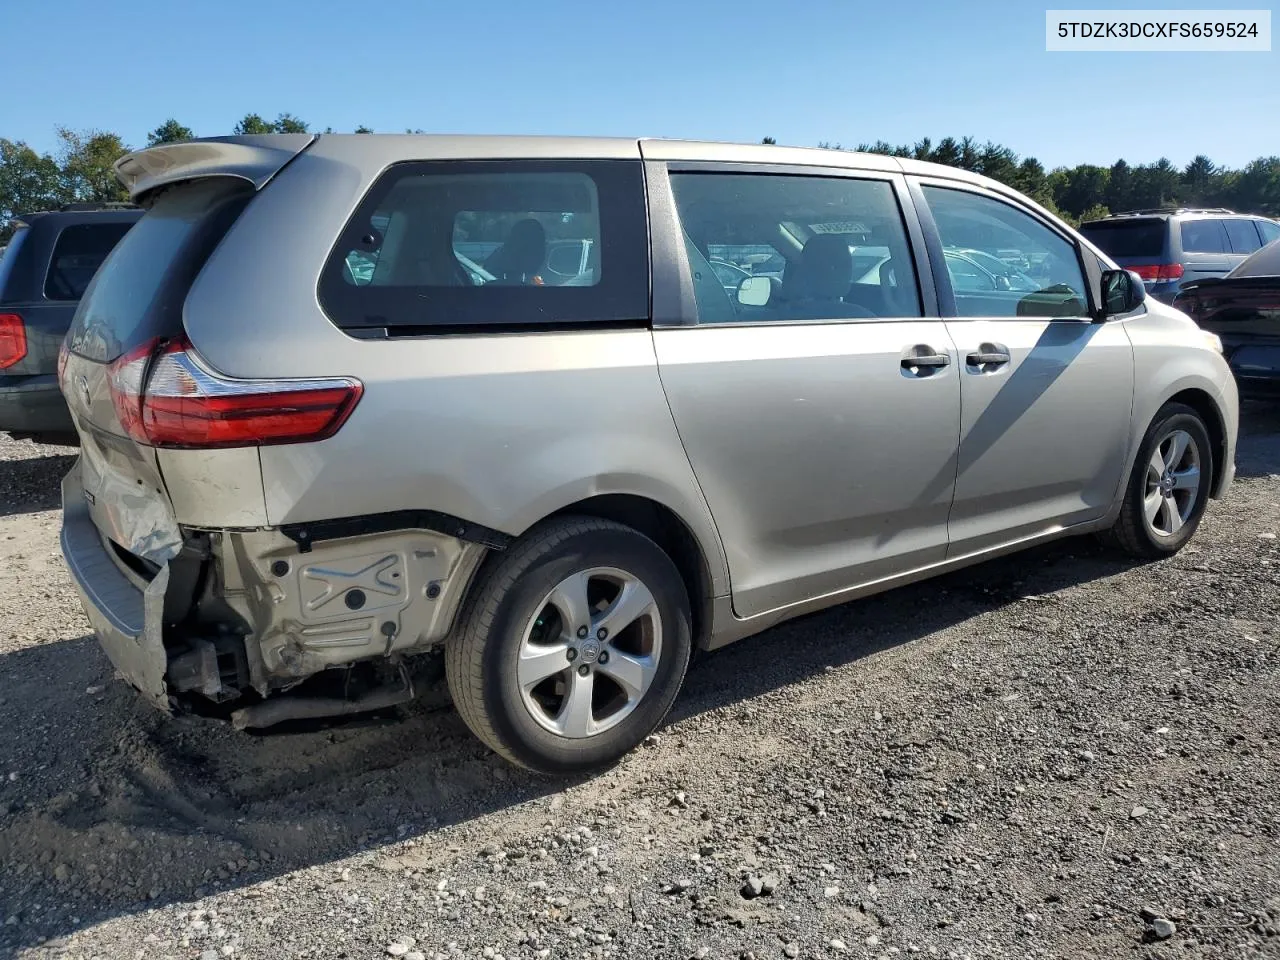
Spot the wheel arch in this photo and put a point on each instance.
(668, 530)
(1202, 403)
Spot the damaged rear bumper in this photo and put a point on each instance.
(126, 616)
(252, 612)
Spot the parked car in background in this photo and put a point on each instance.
(1173, 247)
(291, 481)
(46, 266)
(1243, 309)
(976, 270)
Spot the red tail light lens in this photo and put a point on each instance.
(184, 404)
(13, 339)
(1159, 271)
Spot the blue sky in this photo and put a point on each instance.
(802, 71)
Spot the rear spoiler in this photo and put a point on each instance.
(253, 158)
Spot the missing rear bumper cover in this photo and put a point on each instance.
(305, 534)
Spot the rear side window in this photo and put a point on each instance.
(774, 248)
(445, 244)
(1270, 231)
(138, 292)
(77, 255)
(1243, 236)
(1125, 239)
(1204, 236)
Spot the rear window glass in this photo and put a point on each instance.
(77, 254)
(1128, 238)
(1243, 236)
(1203, 236)
(493, 243)
(138, 292)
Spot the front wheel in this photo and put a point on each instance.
(572, 647)
(1168, 489)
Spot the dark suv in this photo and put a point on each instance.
(44, 270)
(1168, 248)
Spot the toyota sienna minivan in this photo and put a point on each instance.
(315, 443)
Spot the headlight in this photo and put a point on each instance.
(1213, 340)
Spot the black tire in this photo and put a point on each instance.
(481, 658)
(1132, 532)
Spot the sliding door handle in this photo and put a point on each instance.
(982, 358)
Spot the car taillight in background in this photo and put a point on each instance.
(13, 339)
(1157, 273)
(165, 397)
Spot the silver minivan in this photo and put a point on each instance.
(317, 444)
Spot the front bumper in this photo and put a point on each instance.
(126, 616)
(34, 405)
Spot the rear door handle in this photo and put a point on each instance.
(981, 358)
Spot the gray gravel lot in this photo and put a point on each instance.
(1059, 754)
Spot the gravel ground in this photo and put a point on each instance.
(1058, 754)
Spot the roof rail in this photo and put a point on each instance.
(98, 205)
(1172, 210)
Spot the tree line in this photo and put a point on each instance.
(81, 170)
(1088, 191)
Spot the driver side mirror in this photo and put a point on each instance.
(754, 291)
(1122, 292)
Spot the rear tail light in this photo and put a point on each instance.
(13, 339)
(165, 397)
(1159, 272)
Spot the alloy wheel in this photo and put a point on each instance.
(1173, 483)
(590, 654)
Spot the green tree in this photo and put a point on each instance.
(1095, 212)
(1081, 188)
(288, 123)
(251, 124)
(1031, 180)
(1119, 193)
(1258, 188)
(1156, 185)
(28, 181)
(363, 129)
(88, 165)
(1201, 182)
(947, 152)
(171, 131)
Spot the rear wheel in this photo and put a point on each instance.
(1169, 487)
(572, 647)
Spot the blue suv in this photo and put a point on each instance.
(1168, 248)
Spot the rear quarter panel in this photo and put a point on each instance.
(499, 430)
